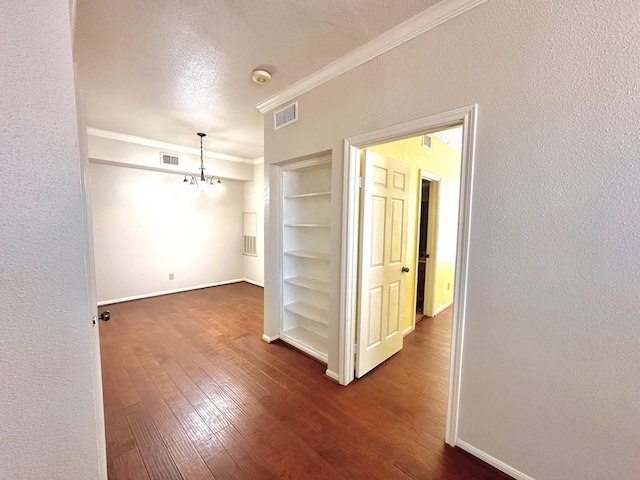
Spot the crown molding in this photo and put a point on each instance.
(162, 169)
(169, 147)
(438, 14)
(258, 161)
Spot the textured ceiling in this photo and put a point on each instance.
(166, 69)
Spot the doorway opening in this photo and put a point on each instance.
(423, 253)
(357, 253)
(427, 239)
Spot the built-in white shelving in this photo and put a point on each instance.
(308, 195)
(310, 283)
(308, 225)
(306, 209)
(307, 341)
(309, 311)
(307, 254)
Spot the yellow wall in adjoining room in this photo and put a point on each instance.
(443, 161)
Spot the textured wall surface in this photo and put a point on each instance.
(550, 381)
(149, 224)
(47, 416)
(254, 202)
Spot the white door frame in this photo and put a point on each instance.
(432, 234)
(350, 236)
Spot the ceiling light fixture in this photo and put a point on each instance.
(205, 182)
(260, 76)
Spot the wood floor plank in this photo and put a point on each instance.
(129, 466)
(194, 426)
(224, 467)
(253, 464)
(165, 422)
(189, 462)
(191, 391)
(155, 456)
(117, 431)
(111, 471)
(207, 410)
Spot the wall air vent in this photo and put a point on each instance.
(249, 245)
(426, 141)
(249, 231)
(169, 159)
(285, 116)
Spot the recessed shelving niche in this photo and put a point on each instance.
(306, 210)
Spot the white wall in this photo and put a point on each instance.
(47, 414)
(148, 224)
(254, 202)
(550, 381)
(137, 154)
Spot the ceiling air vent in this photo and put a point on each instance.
(169, 159)
(285, 116)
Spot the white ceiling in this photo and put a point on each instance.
(166, 69)
(452, 137)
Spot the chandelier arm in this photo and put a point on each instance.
(207, 180)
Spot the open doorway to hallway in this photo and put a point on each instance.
(435, 159)
(357, 150)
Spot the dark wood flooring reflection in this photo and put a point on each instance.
(190, 391)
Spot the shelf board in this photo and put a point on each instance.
(307, 254)
(310, 343)
(310, 283)
(309, 195)
(310, 312)
(310, 225)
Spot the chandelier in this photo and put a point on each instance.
(205, 182)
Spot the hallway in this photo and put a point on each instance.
(192, 392)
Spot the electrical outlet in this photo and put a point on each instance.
(171, 276)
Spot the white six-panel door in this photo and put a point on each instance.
(383, 251)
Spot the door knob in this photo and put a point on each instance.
(105, 316)
(405, 269)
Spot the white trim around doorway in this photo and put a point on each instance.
(350, 234)
(432, 240)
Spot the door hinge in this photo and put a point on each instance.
(359, 182)
(355, 347)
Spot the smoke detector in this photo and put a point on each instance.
(260, 76)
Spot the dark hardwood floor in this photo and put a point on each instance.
(191, 391)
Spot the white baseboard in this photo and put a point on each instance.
(494, 462)
(332, 375)
(269, 339)
(442, 308)
(168, 292)
(407, 330)
(253, 282)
